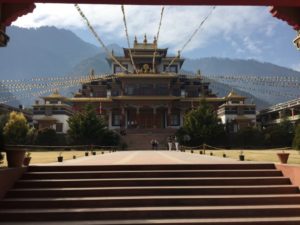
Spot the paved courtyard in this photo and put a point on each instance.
(147, 157)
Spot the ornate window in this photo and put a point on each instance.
(118, 69)
(175, 119)
(172, 68)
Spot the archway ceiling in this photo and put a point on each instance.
(286, 10)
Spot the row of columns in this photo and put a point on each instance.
(167, 117)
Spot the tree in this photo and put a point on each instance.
(86, 127)
(3, 121)
(16, 129)
(248, 137)
(279, 135)
(296, 140)
(203, 126)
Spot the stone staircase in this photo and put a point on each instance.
(235, 194)
(139, 139)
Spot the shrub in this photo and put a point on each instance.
(279, 135)
(296, 141)
(16, 129)
(49, 137)
(248, 137)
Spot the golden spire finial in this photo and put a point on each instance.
(92, 72)
(145, 39)
(178, 54)
(135, 40)
(155, 41)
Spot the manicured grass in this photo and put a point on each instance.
(255, 155)
(38, 157)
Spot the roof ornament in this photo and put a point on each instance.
(92, 74)
(145, 39)
(297, 41)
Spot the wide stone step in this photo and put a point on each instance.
(153, 190)
(146, 201)
(150, 213)
(189, 181)
(233, 166)
(185, 221)
(151, 174)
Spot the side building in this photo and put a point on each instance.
(236, 114)
(275, 114)
(53, 113)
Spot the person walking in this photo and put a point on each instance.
(170, 143)
(152, 142)
(176, 143)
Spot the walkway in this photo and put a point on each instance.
(147, 157)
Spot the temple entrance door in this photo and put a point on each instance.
(132, 118)
(146, 119)
(160, 118)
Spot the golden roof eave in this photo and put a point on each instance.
(52, 105)
(246, 105)
(159, 98)
(46, 118)
(199, 99)
(90, 99)
(147, 75)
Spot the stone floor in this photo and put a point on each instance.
(147, 157)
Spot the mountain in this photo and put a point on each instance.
(226, 66)
(271, 94)
(98, 63)
(46, 51)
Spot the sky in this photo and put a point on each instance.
(230, 31)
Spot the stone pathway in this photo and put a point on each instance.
(147, 157)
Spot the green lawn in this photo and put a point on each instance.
(250, 155)
(256, 155)
(51, 156)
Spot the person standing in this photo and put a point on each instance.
(170, 143)
(176, 143)
(156, 144)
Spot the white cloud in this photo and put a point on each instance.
(178, 24)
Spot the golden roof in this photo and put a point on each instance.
(54, 95)
(145, 44)
(234, 95)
